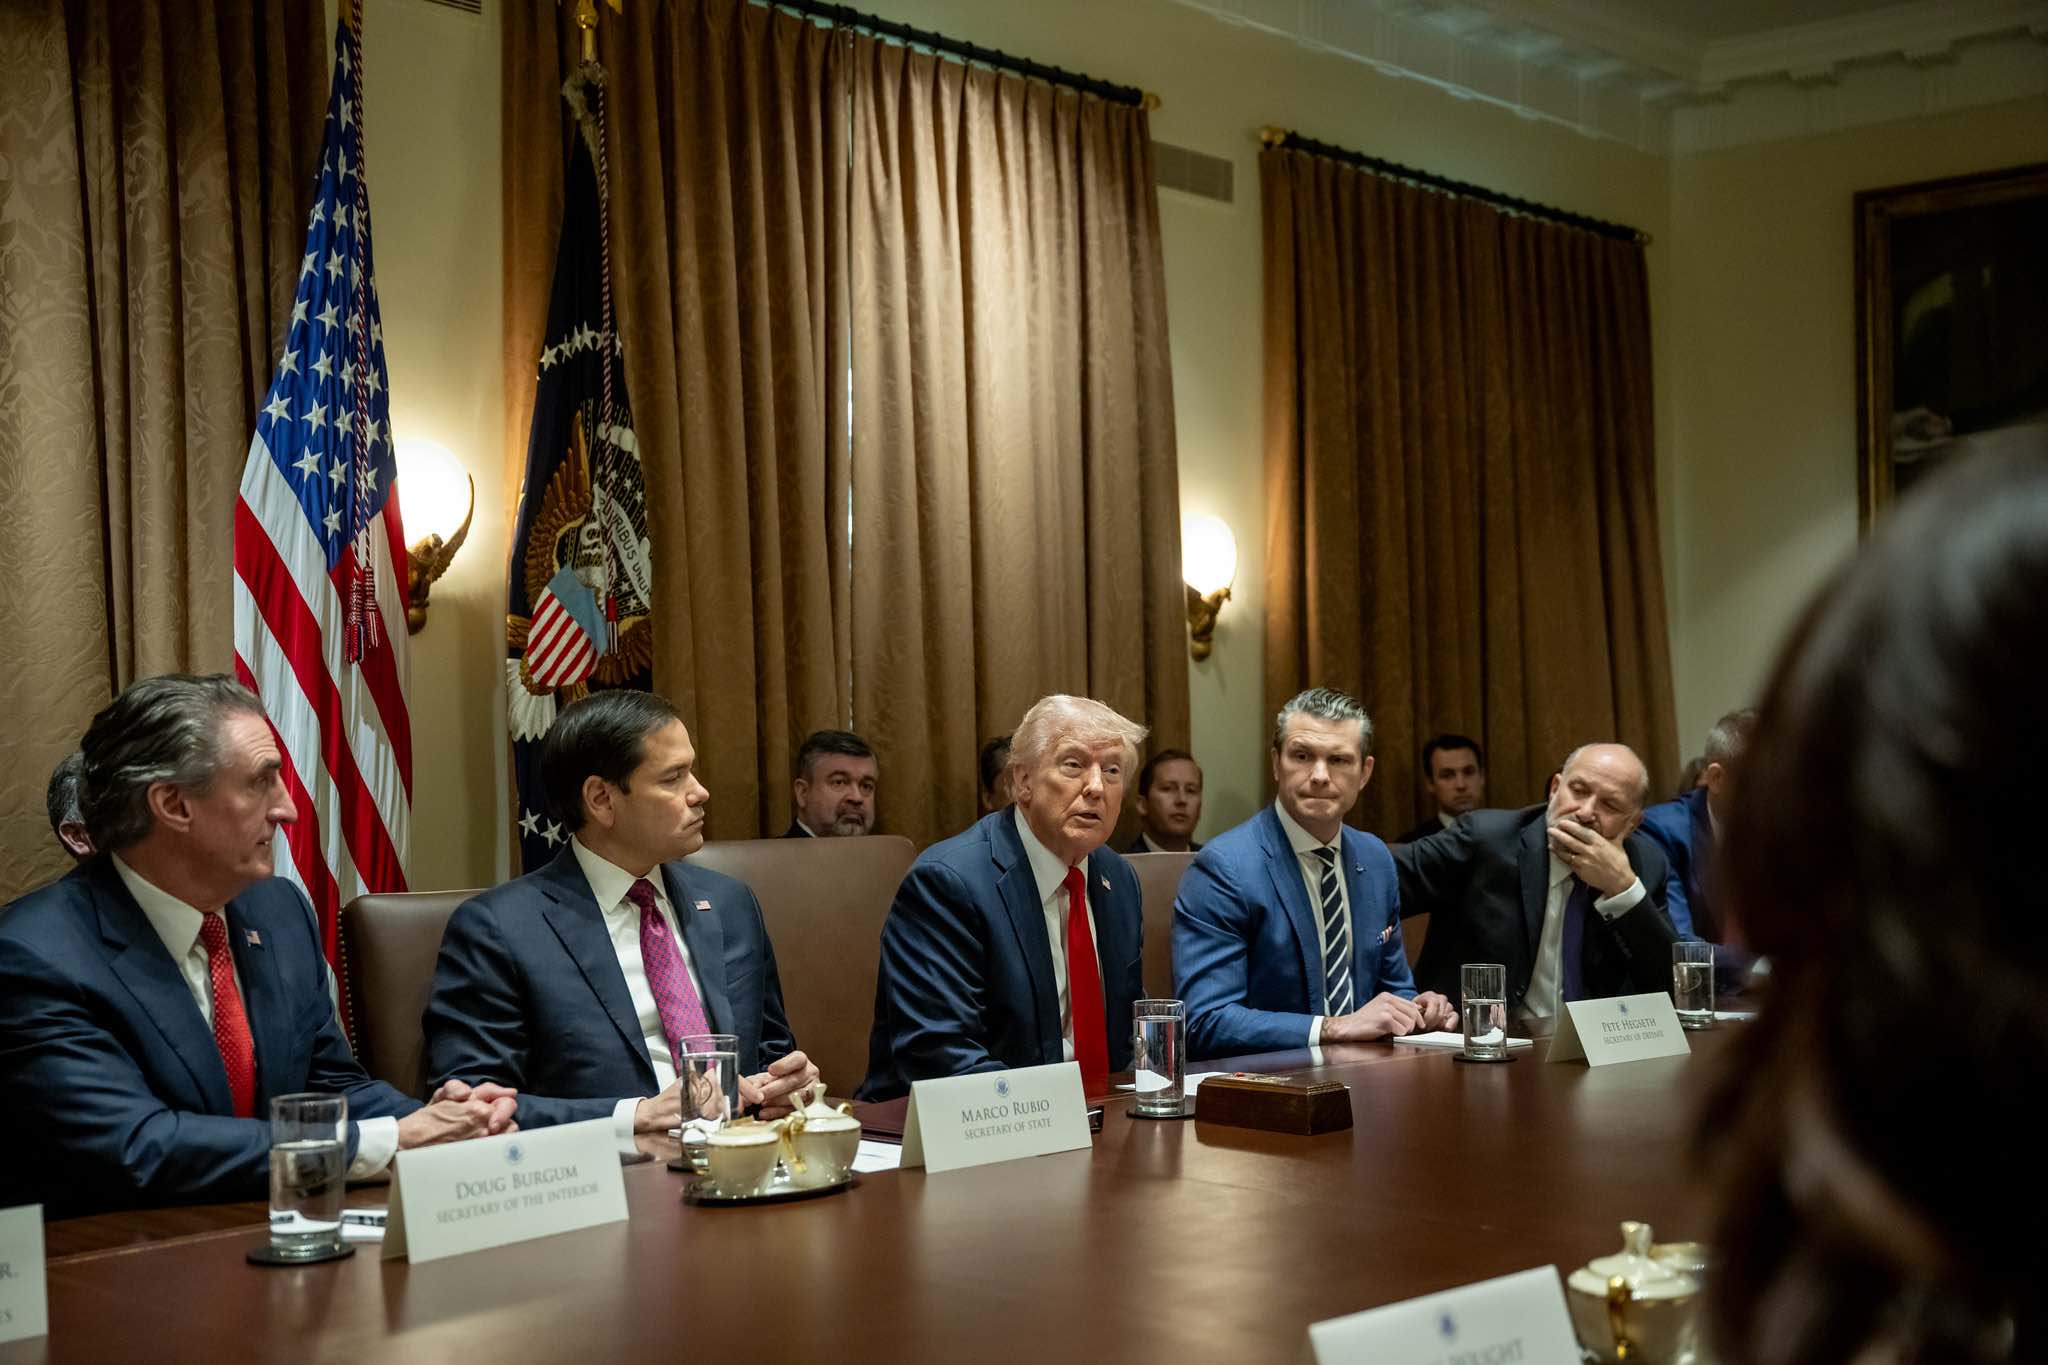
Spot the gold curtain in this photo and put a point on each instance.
(727, 151)
(1016, 524)
(159, 166)
(1462, 512)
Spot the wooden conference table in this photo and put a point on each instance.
(1172, 1241)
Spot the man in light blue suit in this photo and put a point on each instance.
(1686, 830)
(1287, 929)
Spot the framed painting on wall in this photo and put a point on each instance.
(1951, 325)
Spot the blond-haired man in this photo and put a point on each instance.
(1017, 942)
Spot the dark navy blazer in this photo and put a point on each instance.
(966, 979)
(1485, 884)
(114, 1091)
(1247, 963)
(528, 991)
(1684, 831)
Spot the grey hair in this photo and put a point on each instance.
(1642, 768)
(162, 729)
(1325, 703)
(1084, 718)
(62, 797)
(1730, 736)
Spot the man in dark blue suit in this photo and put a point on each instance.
(1017, 943)
(1287, 931)
(154, 1000)
(1685, 830)
(575, 984)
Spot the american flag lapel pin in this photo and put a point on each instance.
(255, 939)
(1104, 881)
(1386, 933)
(703, 905)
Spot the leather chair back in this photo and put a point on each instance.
(824, 901)
(1414, 930)
(389, 946)
(1159, 882)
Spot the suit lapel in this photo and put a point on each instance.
(264, 1002)
(1283, 865)
(139, 959)
(1019, 890)
(1365, 935)
(704, 936)
(577, 921)
(1535, 867)
(1699, 873)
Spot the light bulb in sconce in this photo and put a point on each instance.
(1208, 564)
(436, 499)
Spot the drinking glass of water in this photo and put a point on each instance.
(308, 1169)
(1484, 990)
(1692, 983)
(1158, 1057)
(709, 1069)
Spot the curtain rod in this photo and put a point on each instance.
(845, 16)
(1293, 141)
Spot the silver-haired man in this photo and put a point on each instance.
(1017, 942)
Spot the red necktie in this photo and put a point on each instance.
(230, 1024)
(1084, 990)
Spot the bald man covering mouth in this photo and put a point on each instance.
(1567, 895)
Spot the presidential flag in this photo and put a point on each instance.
(581, 576)
(319, 552)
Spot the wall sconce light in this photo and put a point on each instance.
(434, 491)
(1208, 564)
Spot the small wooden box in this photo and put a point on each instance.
(1277, 1104)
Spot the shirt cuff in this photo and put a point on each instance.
(376, 1144)
(1621, 902)
(1315, 1031)
(622, 1124)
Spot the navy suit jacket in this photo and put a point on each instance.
(1485, 883)
(1685, 834)
(966, 979)
(113, 1089)
(1246, 960)
(528, 991)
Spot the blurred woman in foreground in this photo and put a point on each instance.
(1882, 1186)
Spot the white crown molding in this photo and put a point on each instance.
(1600, 68)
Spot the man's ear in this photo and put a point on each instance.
(800, 790)
(1364, 772)
(169, 805)
(597, 801)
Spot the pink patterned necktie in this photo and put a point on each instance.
(675, 995)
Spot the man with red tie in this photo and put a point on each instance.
(576, 984)
(1017, 942)
(154, 1000)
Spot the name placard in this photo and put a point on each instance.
(961, 1121)
(488, 1192)
(24, 1302)
(1518, 1319)
(1621, 1028)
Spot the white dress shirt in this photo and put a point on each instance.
(1544, 983)
(609, 884)
(1305, 845)
(178, 925)
(1050, 875)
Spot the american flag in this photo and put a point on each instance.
(319, 553)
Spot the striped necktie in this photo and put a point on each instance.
(1336, 936)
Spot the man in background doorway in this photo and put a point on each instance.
(1169, 803)
(1454, 775)
(834, 788)
(995, 774)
